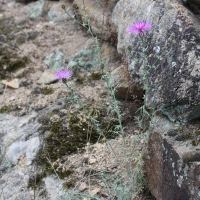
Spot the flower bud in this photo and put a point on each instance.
(63, 6)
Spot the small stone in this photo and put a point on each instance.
(46, 78)
(12, 98)
(98, 145)
(136, 131)
(13, 84)
(142, 141)
(92, 160)
(86, 198)
(102, 184)
(82, 187)
(95, 191)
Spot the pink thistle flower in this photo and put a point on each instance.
(139, 28)
(63, 74)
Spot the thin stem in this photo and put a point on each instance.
(97, 127)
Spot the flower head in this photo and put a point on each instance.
(139, 28)
(63, 74)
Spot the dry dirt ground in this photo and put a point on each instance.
(69, 38)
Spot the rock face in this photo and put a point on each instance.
(56, 13)
(177, 73)
(124, 89)
(37, 10)
(197, 2)
(100, 22)
(173, 163)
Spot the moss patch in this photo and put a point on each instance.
(48, 90)
(26, 72)
(6, 26)
(36, 181)
(96, 76)
(10, 62)
(8, 109)
(80, 80)
(63, 139)
(69, 184)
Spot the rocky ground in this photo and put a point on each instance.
(40, 123)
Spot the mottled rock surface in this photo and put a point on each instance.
(56, 13)
(100, 22)
(177, 73)
(124, 89)
(173, 166)
(13, 84)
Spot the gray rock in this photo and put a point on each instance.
(172, 132)
(101, 24)
(172, 166)
(54, 187)
(120, 80)
(47, 77)
(18, 180)
(196, 2)
(20, 130)
(23, 148)
(57, 14)
(177, 73)
(37, 9)
(56, 60)
(12, 84)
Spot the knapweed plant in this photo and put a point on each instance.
(130, 179)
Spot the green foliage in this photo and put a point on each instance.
(12, 62)
(48, 90)
(96, 76)
(80, 80)
(84, 59)
(7, 109)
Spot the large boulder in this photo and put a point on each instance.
(177, 72)
(173, 161)
(100, 22)
(57, 14)
(124, 88)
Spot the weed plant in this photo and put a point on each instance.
(130, 182)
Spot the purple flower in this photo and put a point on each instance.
(139, 28)
(63, 74)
